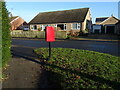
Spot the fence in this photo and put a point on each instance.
(37, 34)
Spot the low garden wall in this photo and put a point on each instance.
(37, 34)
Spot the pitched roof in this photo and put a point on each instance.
(118, 22)
(12, 18)
(101, 19)
(16, 23)
(74, 15)
(110, 20)
(25, 23)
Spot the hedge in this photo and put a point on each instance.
(0, 34)
(6, 40)
(37, 34)
(76, 69)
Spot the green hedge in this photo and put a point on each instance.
(6, 40)
(0, 35)
(37, 34)
(74, 68)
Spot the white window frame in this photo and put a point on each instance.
(32, 27)
(55, 25)
(41, 27)
(77, 27)
(65, 25)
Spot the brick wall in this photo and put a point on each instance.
(16, 23)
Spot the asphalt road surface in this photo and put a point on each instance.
(109, 47)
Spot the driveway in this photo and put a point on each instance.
(109, 47)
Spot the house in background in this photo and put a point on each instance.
(118, 27)
(106, 25)
(17, 23)
(25, 26)
(74, 19)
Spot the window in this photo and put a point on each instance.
(55, 25)
(44, 26)
(61, 26)
(35, 27)
(41, 27)
(76, 26)
(49, 25)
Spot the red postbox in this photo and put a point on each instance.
(50, 34)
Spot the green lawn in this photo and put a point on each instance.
(74, 68)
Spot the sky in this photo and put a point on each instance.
(28, 10)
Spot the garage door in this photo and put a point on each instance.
(110, 29)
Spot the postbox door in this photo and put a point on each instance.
(50, 34)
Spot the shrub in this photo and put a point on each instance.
(74, 68)
(72, 34)
(84, 32)
(0, 35)
(36, 36)
(6, 40)
(39, 29)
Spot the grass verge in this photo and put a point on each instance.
(74, 68)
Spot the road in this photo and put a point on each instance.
(109, 47)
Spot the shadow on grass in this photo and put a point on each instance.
(115, 85)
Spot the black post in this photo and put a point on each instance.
(49, 51)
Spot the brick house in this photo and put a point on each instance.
(74, 19)
(106, 25)
(17, 23)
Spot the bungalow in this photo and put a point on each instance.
(106, 25)
(74, 19)
(17, 23)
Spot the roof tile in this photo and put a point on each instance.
(74, 15)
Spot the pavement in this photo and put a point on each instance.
(24, 70)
